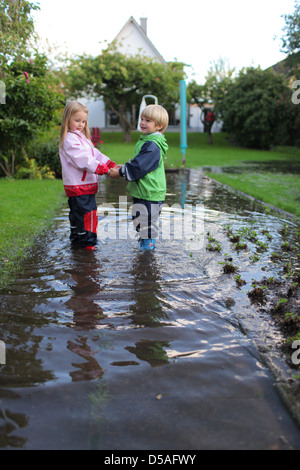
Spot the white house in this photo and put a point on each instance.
(132, 40)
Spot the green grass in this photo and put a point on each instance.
(278, 189)
(26, 209)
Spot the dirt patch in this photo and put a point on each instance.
(281, 300)
(278, 298)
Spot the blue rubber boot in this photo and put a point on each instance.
(147, 244)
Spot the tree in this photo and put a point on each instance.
(291, 36)
(16, 27)
(207, 96)
(254, 109)
(32, 98)
(31, 92)
(122, 81)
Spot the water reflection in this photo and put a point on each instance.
(88, 370)
(85, 284)
(10, 423)
(153, 352)
(147, 309)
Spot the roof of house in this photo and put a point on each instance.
(133, 39)
(286, 66)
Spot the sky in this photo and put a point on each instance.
(244, 33)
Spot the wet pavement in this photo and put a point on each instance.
(124, 350)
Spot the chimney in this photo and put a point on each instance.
(144, 24)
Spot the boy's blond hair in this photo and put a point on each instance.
(72, 108)
(158, 114)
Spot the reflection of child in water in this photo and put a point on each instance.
(81, 164)
(145, 174)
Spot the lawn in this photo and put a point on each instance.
(278, 189)
(26, 209)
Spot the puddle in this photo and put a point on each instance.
(291, 166)
(119, 349)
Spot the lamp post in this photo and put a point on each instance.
(183, 140)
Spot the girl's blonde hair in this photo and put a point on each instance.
(72, 108)
(158, 114)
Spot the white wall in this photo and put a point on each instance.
(96, 117)
(130, 42)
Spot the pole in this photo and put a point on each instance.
(183, 140)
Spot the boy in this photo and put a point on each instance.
(146, 174)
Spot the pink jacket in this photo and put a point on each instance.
(81, 164)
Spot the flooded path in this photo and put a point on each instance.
(119, 349)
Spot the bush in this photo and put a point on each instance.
(32, 99)
(31, 170)
(47, 154)
(257, 111)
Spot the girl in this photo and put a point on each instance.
(81, 164)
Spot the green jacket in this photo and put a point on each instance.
(152, 186)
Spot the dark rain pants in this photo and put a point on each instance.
(83, 220)
(145, 215)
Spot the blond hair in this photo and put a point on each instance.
(72, 108)
(158, 114)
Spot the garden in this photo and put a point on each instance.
(241, 286)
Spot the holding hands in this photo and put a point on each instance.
(114, 172)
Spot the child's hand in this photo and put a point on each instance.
(114, 172)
